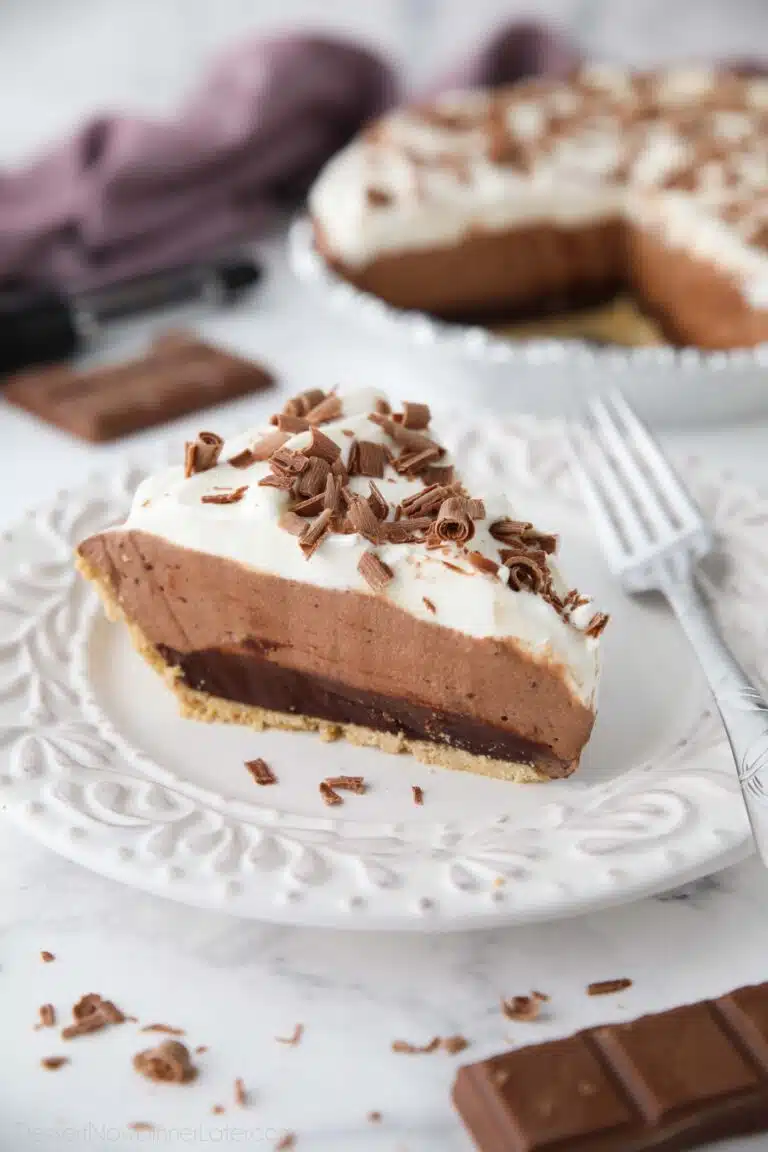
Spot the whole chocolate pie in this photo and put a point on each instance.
(331, 572)
(550, 192)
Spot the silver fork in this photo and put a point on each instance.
(653, 536)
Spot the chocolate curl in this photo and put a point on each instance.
(407, 531)
(363, 519)
(202, 454)
(516, 532)
(299, 405)
(453, 521)
(525, 572)
(426, 501)
(415, 416)
(169, 1063)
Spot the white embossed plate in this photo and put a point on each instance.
(95, 762)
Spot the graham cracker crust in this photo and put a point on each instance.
(209, 709)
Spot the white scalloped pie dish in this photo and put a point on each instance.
(96, 764)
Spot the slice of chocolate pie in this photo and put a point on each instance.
(332, 573)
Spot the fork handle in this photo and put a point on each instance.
(743, 709)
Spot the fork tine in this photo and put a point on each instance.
(601, 514)
(621, 451)
(674, 490)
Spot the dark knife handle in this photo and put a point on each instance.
(37, 326)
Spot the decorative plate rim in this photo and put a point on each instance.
(71, 779)
(479, 345)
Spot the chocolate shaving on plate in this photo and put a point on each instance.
(429, 605)
(92, 1013)
(354, 784)
(200, 1049)
(168, 1029)
(608, 987)
(261, 771)
(416, 1049)
(454, 1044)
(418, 794)
(374, 571)
(47, 1014)
(315, 533)
(374, 1117)
(218, 1109)
(286, 1143)
(169, 1063)
(240, 1093)
(453, 521)
(52, 1063)
(232, 497)
(522, 1008)
(202, 454)
(329, 795)
(47, 957)
(413, 416)
(597, 624)
(294, 1038)
(141, 1126)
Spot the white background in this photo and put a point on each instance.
(235, 985)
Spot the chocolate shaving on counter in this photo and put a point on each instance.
(328, 409)
(415, 416)
(416, 1049)
(608, 987)
(261, 771)
(260, 451)
(92, 1013)
(454, 1044)
(47, 1014)
(312, 481)
(522, 1008)
(363, 520)
(47, 957)
(374, 571)
(294, 1038)
(483, 563)
(241, 1096)
(291, 424)
(377, 503)
(429, 605)
(232, 497)
(331, 798)
(315, 533)
(286, 1143)
(418, 794)
(354, 784)
(367, 458)
(169, 1063)
(202, 454)
(54, 1062)
(378, 198)
(596, 624)
(322, 446)
(168, 1029)
(302, 403)
(453, 521)
(293, 523)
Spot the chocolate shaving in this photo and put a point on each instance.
(411, 463)
(382, 407)
(261, 771)
(374, 571)
(483, 563)
(374, 1117)
(328, 409)
(608, 987)
(429, 605)
(378, 504)
(332, 495)
(141, 1126)
(218, 1109)
(202, 454)
(168, 1029)
(312, 481)
(525, 571)
(453, 521)
(291, 424)
(407, 531)
(416, 1049)
(522, 1008)
(311, 507)
(294, 523)
(54, 1062)
(354, 784)
(378, 198)
(439, 474)
(418, 794)
(232, 497)
(294, 1038)
(92, 1013)
(286, 1143)
(241, 1096)
(415, 416)
(476, 509)
(200, 1049)
(302, 403)
(322, 446)
(47, 957)
(315, 533)
(367, 458)
(169, 1063)
(47, 1014)
(331, 798)
(596, 624)
(515, 532)
(260, 451)
(288, 461)
(426, 501)
(454, 1044)
(363, 519)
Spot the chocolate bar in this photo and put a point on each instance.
(178, 375)
(670, 1081)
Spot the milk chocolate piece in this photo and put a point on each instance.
(173, 378)
(671, 1081)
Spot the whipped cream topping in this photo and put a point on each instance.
(683, 150)
(248, 532)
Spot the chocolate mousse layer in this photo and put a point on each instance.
(341, 656)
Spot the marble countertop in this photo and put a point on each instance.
(234, 986)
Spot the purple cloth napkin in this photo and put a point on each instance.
(128, 195)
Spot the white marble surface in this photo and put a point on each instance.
(234, 985)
